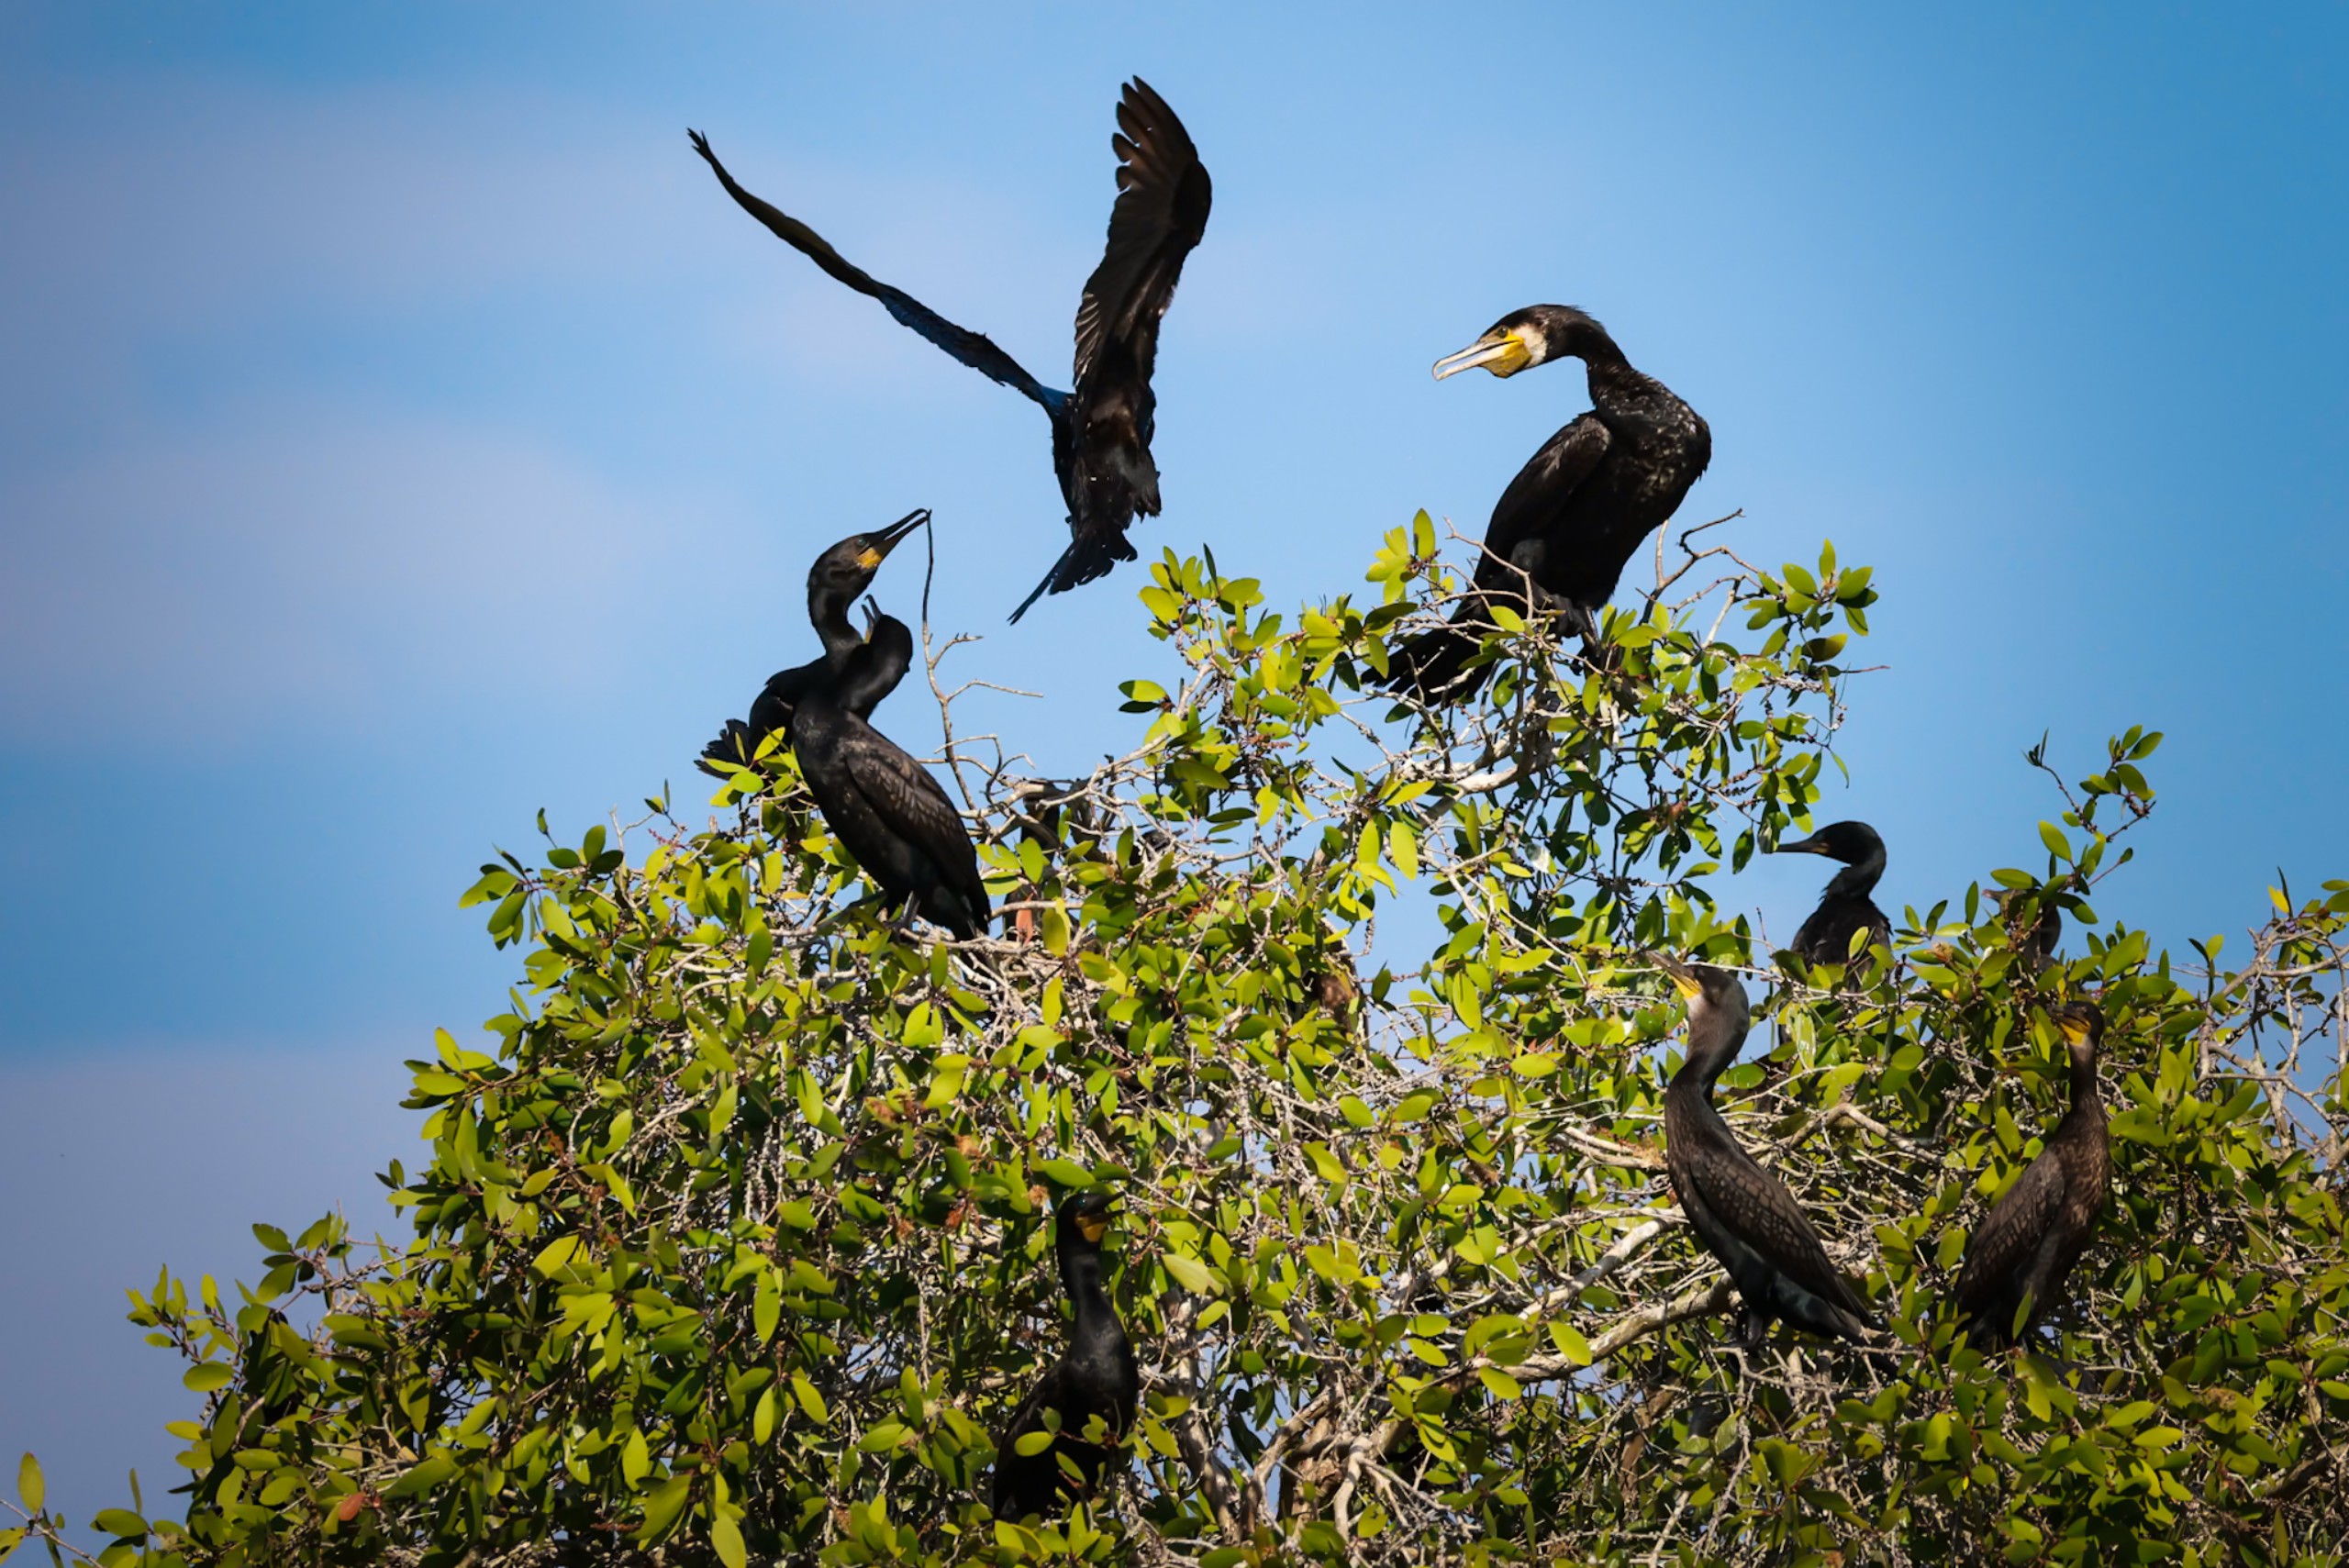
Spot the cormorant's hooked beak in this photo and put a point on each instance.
(1810, 846)
(871, 616)
(1683, 978)
(1503, 353)
(881, 544)
(1093, 1218)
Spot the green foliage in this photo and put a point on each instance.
(735, 1246)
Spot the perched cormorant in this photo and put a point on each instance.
(1581, 504)
(1745, 1215)
(2037, 1229)
(1101, 432)
(884, 806)
(1096, 1377)
(834, 582)
(1844, 908)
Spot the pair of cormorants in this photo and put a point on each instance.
(1564, 528)
(2016, 1260)
(1102, 430)
(884, 807)
(838, 579)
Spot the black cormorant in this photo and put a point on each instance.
(884, 807)
(1745, 1215)
(1576, 512)
(2037, 1229)
(834, 582)
(1096, 1377)
(1844, 908)
(1101, 432)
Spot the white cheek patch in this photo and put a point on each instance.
(1537, 345)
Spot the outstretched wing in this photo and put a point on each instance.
(2003, 1243)
(973, 348)
(1163, 194)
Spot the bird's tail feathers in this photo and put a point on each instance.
(1089, 556)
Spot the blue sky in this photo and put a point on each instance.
(399, 433)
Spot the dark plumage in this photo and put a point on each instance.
(1101, 432)
(1745, 1215)
(883, 805)
(1844, 908)
(1579, 510)
(1096, 1377)
(839, 574)
(2026, 1245)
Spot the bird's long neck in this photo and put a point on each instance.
(1081, 1278)
(828, 612)
(1712, 1048)
(1859, 879)
(1612, 379)
(872, 671)
(2087, 1102)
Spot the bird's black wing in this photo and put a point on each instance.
(1163, 194)
(2002, 1245)
(1756, 1204)
(973, 348)
(1535, 496)
(1024, 1483)
(908, 797)
(1434, 661)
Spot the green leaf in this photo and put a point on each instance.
(423, 1476)
(664, 1508)
(1189, 1272)
(30, 1485)
(203, 1378)
(726, 1540)
(120, 1523)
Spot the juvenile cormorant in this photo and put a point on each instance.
(1101, 432)
(1844, 908)
(884, 807)
(834, 582)
(1576, 511)
(1745, 1215)
(2037, 1229)
(1096, 1377)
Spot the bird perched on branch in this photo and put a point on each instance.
(1576, 512)
(1102, 430)
(2017, 1258)
(839, 576)
(884, 807)
(1845, 908)
(1744, 1214)
(1098, 1377)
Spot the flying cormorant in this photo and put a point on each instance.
(1745, 1215)
(2037, 1229)
(884, 807)
(839, 574)
(1096, 1377)
(1844, 908)
(1101, 432)
(1576, 512)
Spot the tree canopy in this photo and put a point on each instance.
(735, 1246)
